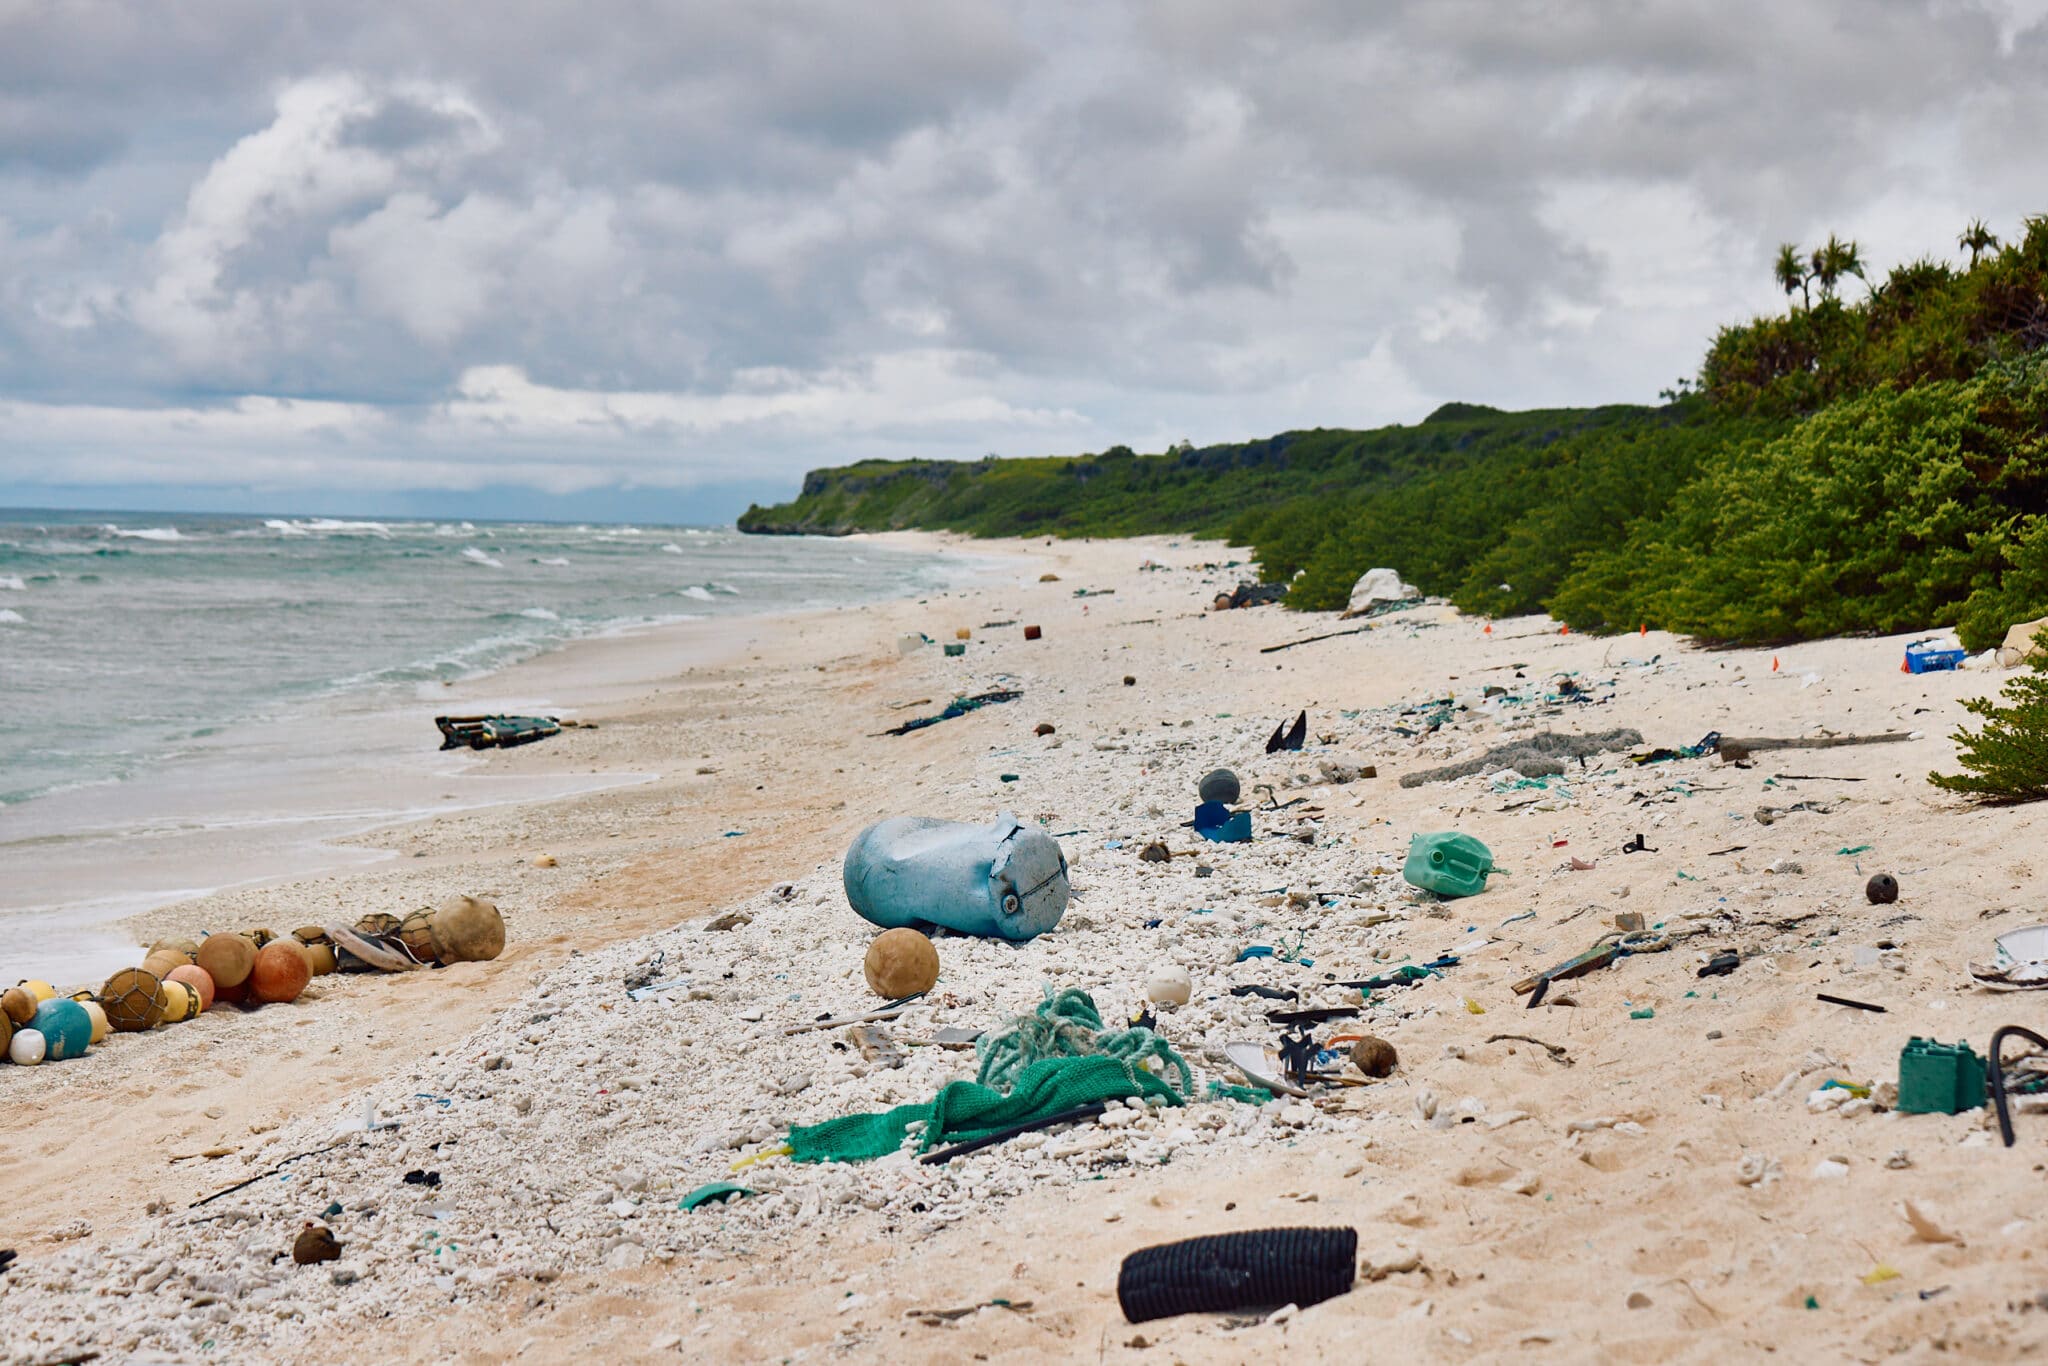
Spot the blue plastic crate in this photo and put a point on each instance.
(1924, 656)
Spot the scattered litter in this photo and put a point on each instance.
(959, 706)
(2021, 963)
(495, 732)
(1538, 756)
(719, 1191)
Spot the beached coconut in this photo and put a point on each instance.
(188, 948)
(281, 972)
(160, 962)
(466, 929)
(134, 1000)
(901, 962)
(98, 1017)
(227, 959)
(1374, 1056)
(1169, 986)
(314, 1244)
(27, 1047)
(19, 1003)
(195, 977)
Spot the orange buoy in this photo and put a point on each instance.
(194, 976)
(280, 974)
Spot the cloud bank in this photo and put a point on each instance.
(301, 250)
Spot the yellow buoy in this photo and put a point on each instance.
(42, 991)
(181, 1002)
(99, 1019)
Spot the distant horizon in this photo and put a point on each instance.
(712, 506)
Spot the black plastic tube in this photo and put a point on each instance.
(1998, 1100)
(1255, 1269)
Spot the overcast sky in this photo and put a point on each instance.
(514, 257)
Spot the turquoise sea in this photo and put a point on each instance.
(165, 679)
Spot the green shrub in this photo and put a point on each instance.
(2007, 760)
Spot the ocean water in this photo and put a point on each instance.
(191, 701)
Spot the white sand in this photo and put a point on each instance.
(576, 1118)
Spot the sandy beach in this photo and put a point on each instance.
(1640, 1174)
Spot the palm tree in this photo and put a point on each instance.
(1977, 239)
(1791, 272)
(1835, 259)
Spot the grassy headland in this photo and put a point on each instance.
(1870, 464)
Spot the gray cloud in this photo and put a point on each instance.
(251, 244)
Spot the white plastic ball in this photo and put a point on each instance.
(28, 1047)
(1169, 986)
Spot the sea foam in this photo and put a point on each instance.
(470, 552)
(147, 533)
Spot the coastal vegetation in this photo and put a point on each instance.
(1875, 458)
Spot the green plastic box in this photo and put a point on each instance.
(1939, 1078)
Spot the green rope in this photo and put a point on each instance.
(1249, 1095)
(1067, 1025)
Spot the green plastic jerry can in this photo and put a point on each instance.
(1448, 863)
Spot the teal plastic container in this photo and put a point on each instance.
(1448, 863)
(1939, 1078)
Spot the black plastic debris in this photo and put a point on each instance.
(1286, 737)
(1255, 1269)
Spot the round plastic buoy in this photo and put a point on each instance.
(467, 929)
(227, 959)
(134, 1000)
(1170, 986)
(65, 1027)
(901, 962)
(281, 972)
(195, 977)
(19, 1005)
(1220, 785)
(98, 1017)
(1882, 890)
(159, 962)
(27, 1049)
(42, 991)
(186, 949)
(181, 1001)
